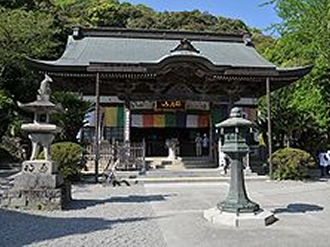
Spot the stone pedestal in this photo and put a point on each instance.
(260, 218)
(42, 167)
(171, 153)
(34, 199)
(37, 187)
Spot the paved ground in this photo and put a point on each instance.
(170, 214)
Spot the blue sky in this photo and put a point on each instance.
(249, 11)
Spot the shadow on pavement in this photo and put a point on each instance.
(18, 228)
(83, 203)
(298, 208)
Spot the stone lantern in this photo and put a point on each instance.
(39, 185)
(237, 209)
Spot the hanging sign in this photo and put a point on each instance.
(198, 105)
(170, 105)
(142, 105)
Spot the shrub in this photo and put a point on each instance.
(69, 157)
(291, 163)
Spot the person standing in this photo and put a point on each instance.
(327, 170)
(205, 145)
(198, 144)
(324, 163)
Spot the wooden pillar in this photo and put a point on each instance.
(211, 139)
(98, 126)
(127, 124)
(269, 126)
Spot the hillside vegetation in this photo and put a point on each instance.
(39, 28)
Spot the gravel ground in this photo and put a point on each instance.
(99, 216)
(171, 214)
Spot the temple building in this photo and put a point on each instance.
(153, 85)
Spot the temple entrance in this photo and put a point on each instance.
(155, 139)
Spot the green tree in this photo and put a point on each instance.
(72, 118)
(301, 111)
(6, 106)
(23, 33)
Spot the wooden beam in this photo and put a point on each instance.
(269, 126)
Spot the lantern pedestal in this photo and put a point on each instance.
(260, 218)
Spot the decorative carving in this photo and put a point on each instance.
(185, 45)
(180, 88)
(44, 90)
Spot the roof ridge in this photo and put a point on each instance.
(79, 33)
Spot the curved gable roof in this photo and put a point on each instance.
(154, 46)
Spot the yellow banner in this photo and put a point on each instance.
(159, 120)
(110, 116)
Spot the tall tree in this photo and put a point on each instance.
(23, 33)
(72, 119)
(304, 39)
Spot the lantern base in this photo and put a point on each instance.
(260, 218)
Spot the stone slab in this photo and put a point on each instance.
(39, 167)
(41, 128)
(261, 218)
(42, 199)
(37, 181)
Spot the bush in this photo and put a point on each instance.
(291, 163)
(69, 157)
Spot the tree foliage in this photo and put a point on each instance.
(71, 120)
(25, 33)
(300, 112)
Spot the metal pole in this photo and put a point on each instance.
(269, 127)
(98, 125)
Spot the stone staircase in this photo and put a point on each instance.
(180, 163)
(198, 162)
(5, 185)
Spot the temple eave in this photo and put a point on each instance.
(226, 72)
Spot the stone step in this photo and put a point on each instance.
(199, 165)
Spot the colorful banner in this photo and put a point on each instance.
(192, 121)
(159, 121)
(148, 120)
(170, 120)
(203, 121)
(137, 120)
(114, 116)
(197, 121)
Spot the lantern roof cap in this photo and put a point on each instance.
(235, 120)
